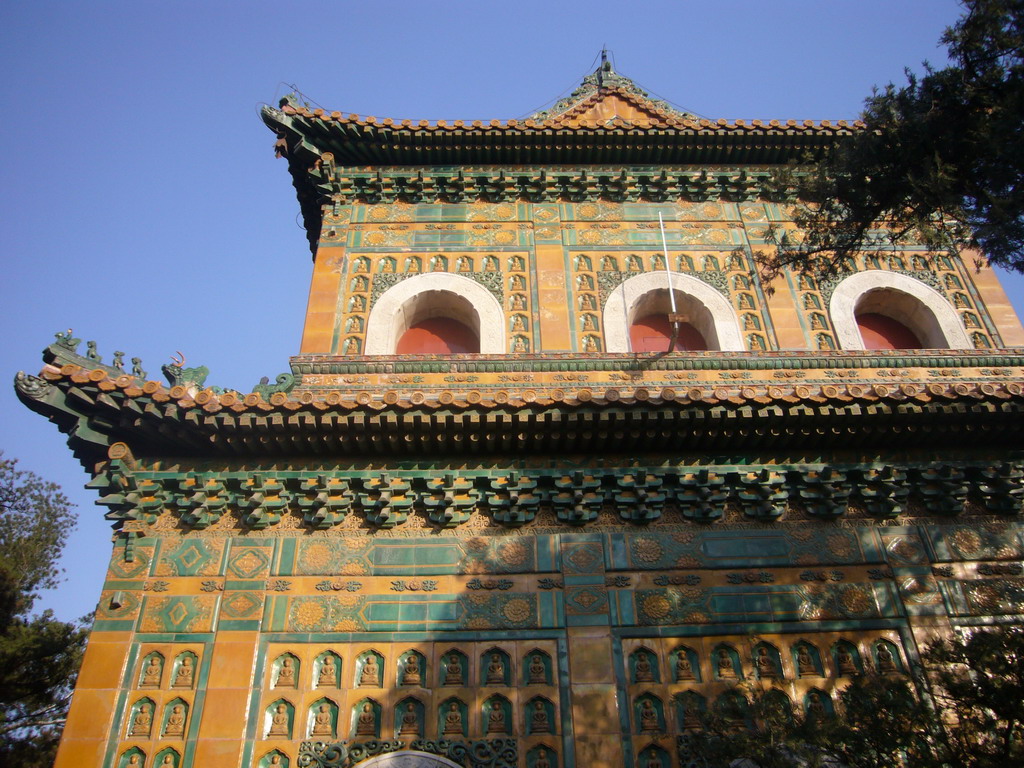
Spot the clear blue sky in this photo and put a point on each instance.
(143, 206)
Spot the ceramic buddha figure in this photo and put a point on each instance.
(366, 723)
(371, 672)
(495, 671)
(286, 674)
(683, 669)
(496, 719)
(726, 668)
(804, 662)
(184, 676)
(175, 721)
(538, 672)
(410, 722)
(642, 669)
(328, 673)
(765, 666)
(453, 671)
(691, 721)
(411, 673)
(539, 722)
(279, 722)
(886, 663)
(815, 707)
(322, 725)
(648, 717)
(151, 675)
(844, 659)
(142, 722)
(452, 720)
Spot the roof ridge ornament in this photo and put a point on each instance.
(604, 79)
(606, 66)
(192, 379)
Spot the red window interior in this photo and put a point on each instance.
(653, 332)
(438, 336)
(882, 332)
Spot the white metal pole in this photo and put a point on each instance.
(625, 318)
(668, 269)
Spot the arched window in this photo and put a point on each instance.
(886, 310)
(438, 336)
(888, 318)
(879, 331)
(435, 313)
(638, 311)
(653, 333)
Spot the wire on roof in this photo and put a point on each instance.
(295, 89)
(575, 83)
(573, 86)
(680, 107)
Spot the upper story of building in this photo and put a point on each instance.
(583, 230)
(515, 288)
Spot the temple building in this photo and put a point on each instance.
(553, 471)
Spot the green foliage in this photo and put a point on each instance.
(39, 655)
(883, 724)
(36, 520)
(980, 683)
(972, 716)
(765, 733)
(940, 159)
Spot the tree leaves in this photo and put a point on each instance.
(39, 655)
(35, 520)
(972, 714)
(980, 683)
(940, 160)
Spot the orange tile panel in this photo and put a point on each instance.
(594, 709)
(590, 659)
(998, 305)
(103, 665)
(80, 753)
(554, 321)
(91, 713)
(782, 307)
(224, 715)
(321, 319)
(321, 300)
(221, 753)
(328, 257)
(599, 751)
(238, 636)
(323, 289)
(232, 665)
(318, 334)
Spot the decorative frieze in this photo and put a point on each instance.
(344, 186)
(386, 499)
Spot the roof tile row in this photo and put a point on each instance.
(209, 401)
(665, 119)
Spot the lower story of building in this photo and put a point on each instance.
(538, 647)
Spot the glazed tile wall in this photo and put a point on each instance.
(552, 266)
(586, 603)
